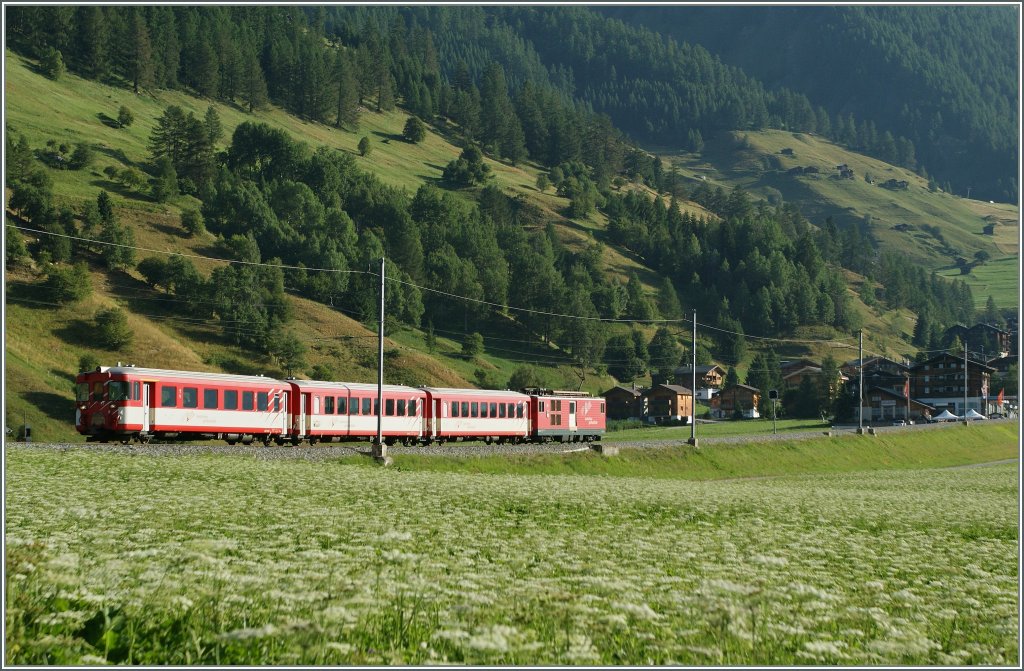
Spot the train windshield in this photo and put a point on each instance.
(117, 391)
(82, 391)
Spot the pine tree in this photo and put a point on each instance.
(254, 86)
(140, 66)
(347, 99)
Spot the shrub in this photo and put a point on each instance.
(192, 222)
(82, 157)
(415, 130)
(473, 345)
(125, 117)
(52, 64)
(112, 330)
(364, 146)
(67, 285)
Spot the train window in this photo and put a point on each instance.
(376, 407)
(511, 409)
(342, 405)
(541, 406)
(483, 409)
(465, 408)
(494, 409)
(572, 406)
(353, 406)
(262, 400)
(190, 397)
(401, 407)
(602, 408)
(328, 405)
(118, 391)
(389, 407)
(247, 400)
(366, 406)
(230, 399)
(168, 397)
(474, 409)
(414, 408)
(455, 408)
(82, 392)
(277, 403)
(136, 391)
(97, 391)
(519, 411)
(501, 411)
(556, 420)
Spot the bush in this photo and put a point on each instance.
(112, 330)
(82, 157)
(125, 117)
(52, 64)
(473, 345)
(165, 184)
(192, 222)
(415, 130)
(66, 285)
(87, 362)
(364, 146)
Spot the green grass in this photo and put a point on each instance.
(946, 446)
(999, 278)
(227, 559)
(715, 429)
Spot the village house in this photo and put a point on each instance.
(886, 405)
(709, 379)
(625, 403)
(668, 402)
(740, 397)
(985, 339)
(939, 382)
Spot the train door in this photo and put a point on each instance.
(284, 412)
(146, 386)
(438, 405)
(304, 413)
(572, 416)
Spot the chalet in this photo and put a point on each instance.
(707, 376)
(1002, 364)
(885, 405)
(668, 402)
(625, 403)
(895, 184)
(981, 338)
(879, 372)
(740, 397)
(845, 171)
(787, 367)
(939, 381)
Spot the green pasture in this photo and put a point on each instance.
(998, 278)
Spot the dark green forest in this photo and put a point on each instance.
(946, 78)
(563, 87)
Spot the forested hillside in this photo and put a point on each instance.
(510, 202)
(944, 77)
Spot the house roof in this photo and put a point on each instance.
(701, 370)
(621, 389)
(872, 361)
(742, 386)
(675, 388)
(798, 363)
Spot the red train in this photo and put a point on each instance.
(127, 403)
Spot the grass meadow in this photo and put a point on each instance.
(219, 559)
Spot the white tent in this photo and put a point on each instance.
(974, 414)
(945, 416)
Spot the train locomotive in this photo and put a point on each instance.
(127, 403)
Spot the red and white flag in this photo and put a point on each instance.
(999, 399)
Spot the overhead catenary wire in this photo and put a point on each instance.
(682, 320)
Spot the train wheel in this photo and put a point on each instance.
(266, 440)
(232, 442)
(296, 441)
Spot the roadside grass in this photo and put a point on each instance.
(947, 446)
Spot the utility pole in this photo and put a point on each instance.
(380, 452)
(693, 390)
(860, 383)
(965, 380)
